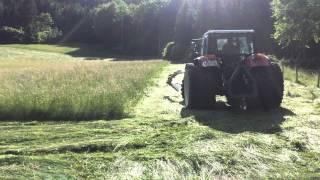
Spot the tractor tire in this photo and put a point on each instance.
(270, 86)
(199, 87)
(278, 78)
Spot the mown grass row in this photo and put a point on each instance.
(46, 89)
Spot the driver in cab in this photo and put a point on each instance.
(231, 47)
(229, 51)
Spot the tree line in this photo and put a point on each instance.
(144, 27)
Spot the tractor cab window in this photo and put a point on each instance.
(232, 44)
(246, 45)
(205, 48)
(221, 43)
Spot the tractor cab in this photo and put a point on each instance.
(228, 42)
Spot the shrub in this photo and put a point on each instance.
(50, 35)
(11, 35)
(176, 52)
(42, 29)
(180, 52)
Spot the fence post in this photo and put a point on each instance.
(318, 85)
(297, 74)
(282, 67)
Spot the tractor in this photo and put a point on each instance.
(228, 65)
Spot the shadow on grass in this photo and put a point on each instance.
(230, 121)
(182, 61)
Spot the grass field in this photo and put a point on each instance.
(76, 50)
(39, 85)
(162, 140)
(305, 77)
(44, 48)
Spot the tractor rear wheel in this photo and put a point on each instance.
(270, 86)
(199, 87)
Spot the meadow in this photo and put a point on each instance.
(162, 140)
(305, 77)
(41, 82)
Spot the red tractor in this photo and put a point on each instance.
(229, 66)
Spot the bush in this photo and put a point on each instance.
(50, 35)
(11, 35)
(108, 22)
(167, 52)
(176, 52)
(42, 29)
(180, 52)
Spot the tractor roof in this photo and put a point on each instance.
(229, 31)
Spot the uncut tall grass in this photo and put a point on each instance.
(305, 77)
(70, 90)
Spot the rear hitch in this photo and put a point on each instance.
(242, 84)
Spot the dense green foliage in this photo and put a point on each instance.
(297, 27)
(12, 35)
(297, 20)
(145, 27)
(134, 27)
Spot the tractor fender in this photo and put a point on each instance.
(257, 60)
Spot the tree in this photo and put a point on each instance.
(27, 11)
(167, 21)
(42, 29)
(150, 26)
(183, 27)
(297, 21)
(11, 35)
(109, 23)
(1, 13)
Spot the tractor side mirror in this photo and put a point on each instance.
(195, 54)
(194, 48)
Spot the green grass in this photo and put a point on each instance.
(164, 141)
(75, 50)
(44, 47)
(305, 77)
(49, 86)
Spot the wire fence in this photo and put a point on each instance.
(299, 72)
(318, 84)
